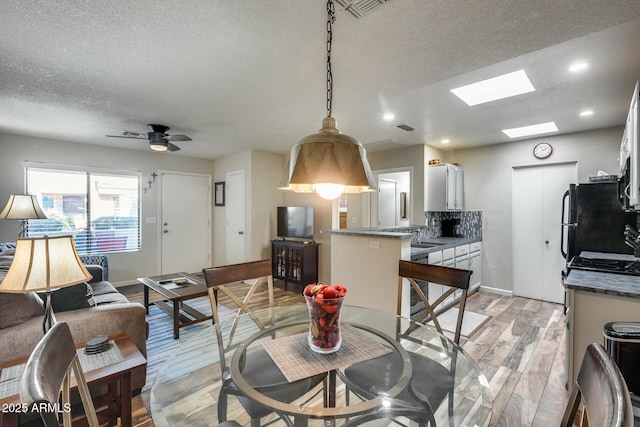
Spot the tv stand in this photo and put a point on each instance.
(294, 261)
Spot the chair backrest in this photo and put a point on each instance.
(48, 372)
(218, 279)
(600, 385)
(453, 278)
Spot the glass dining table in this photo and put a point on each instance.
(187, 387)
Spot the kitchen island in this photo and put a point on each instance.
(594, 299)
(365, 261)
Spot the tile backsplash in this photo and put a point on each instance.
(470, 224)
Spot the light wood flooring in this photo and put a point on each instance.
(521, 350)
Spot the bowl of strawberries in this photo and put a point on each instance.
(324, 303)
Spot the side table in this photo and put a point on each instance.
(116, 376)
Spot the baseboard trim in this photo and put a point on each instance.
(497, 291)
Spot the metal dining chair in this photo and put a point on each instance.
(602, 389)
(260, 370)
(431, 382)
(47, 373)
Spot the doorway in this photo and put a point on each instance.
(391, 204)
(236, 233)
(185, 231)
(537, 211)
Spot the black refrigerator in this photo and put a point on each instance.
(593, 220)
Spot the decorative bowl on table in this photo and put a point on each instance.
(324, 303)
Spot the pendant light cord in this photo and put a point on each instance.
(331, 17)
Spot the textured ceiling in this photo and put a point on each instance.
(250, 74)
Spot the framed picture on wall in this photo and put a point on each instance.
(219, 193)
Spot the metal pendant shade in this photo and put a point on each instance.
(328, 162)
(329, 157)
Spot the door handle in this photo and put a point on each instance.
(240, 232)
(546, 242)
(165, 231)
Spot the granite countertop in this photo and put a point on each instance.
(373, 232)
(623, 285)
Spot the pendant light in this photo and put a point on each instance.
(328, 162)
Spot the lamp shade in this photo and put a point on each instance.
(45, 263)
(329, 158)
(21, 206)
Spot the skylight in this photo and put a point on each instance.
(531, 130)
(504, 86)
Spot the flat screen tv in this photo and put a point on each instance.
(295, 222)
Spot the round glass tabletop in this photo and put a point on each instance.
(388, 368)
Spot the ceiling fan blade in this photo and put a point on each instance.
(179, 138)
(172, 147)
(127, 137)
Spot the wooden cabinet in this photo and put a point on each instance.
(294, 262)
(445, 187)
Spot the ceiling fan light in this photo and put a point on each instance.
(157, 142)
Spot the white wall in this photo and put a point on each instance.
(488, 186)
(124, 267)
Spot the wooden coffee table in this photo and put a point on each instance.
(175, 296)
(114, 375)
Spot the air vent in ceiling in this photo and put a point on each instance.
(359, 8)
(405, 127)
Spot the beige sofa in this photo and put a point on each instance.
(111, 314)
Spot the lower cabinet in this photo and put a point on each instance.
(475, 264)
(467, 257)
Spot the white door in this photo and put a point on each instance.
(537, 207)
(236, 226)
(185, 226)
(387, 202)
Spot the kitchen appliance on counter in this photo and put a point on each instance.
(451, 227)
(593, 220)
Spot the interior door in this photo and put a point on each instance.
(236, 226)
(387, 206)
(537, 206)
(185, 222)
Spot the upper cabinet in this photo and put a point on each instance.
(445, 189)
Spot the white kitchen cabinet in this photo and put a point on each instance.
(435, 290)
(475, 264)
(445, 187)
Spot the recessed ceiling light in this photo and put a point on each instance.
(388, 117)
(504, 86)
(579, 66)
(586, 113)
(445, 141)
(531, 130)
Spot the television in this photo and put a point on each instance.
(295, 222)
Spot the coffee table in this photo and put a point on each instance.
(175, 296)
(113, 375)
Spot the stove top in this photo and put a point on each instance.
(606, 265)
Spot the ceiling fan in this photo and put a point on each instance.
(158, 138)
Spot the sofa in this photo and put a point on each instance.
(106, 311)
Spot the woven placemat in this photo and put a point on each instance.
(296, 360)
(10, 377)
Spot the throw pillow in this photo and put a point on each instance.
(70, 298)
(18, 308)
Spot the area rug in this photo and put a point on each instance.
(471, 321)
(161, 344)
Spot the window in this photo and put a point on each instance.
(100, 209)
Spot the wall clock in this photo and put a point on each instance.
(542, 150)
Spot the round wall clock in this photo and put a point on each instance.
(542, 150)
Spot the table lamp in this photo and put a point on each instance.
(44, 264)
(22, 207)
